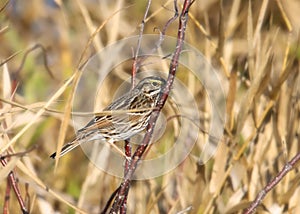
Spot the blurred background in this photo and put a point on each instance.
(254, 46)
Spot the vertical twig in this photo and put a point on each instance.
(137, 61)
(112, 196)
(14, 184)
(6, 197)
(221, 40)
(128, 154)
(126, 169)
(172, 19)
(136, 65)
(125, 185)
(135, 68)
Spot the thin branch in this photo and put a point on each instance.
(44, 51)
(110, 200)
(166, 26)
(14, 184)
(261, 195)
(128, 153)
(7, 197)
(172, 19)
(20, 154)
(135, 68)
(125, 185)
(136, 64)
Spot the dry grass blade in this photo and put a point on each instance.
(250, 41)
(8, 168)
(19, 107)
(66, 118)
(89, 23)
(36, 116)
(221, 29)
(231, 96)
(39, 182)
(285, 18)
(10, 57)
(4, 6)
(253, 47)
(69, 102)
(252, 92)
(261, 16)
(6, 83)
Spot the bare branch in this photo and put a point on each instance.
(14, 184)
(261, 195)
(120, 198)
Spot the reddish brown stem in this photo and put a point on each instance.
(128, 148)
(14, 184)
(7, 197)
(261, 195)
(125, 185)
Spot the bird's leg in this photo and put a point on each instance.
(111, 142)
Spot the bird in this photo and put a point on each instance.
(123, 118)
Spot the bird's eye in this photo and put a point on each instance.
(155, 84)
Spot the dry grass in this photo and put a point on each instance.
(254, 46)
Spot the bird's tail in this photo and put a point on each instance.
(66, 148)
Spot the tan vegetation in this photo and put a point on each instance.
(254, 46)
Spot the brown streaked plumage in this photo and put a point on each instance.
(129, 115)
